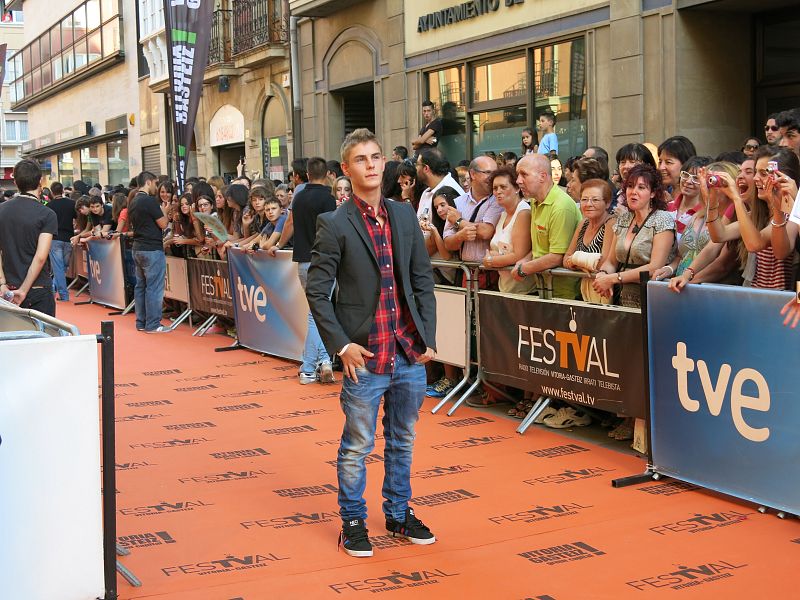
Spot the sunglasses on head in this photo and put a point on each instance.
(771, 128)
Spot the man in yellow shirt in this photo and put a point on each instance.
(553, 221)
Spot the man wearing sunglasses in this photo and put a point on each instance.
(771, 130)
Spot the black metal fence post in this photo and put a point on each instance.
(106, 340)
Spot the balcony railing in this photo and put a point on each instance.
(220, 51)
(258, 23)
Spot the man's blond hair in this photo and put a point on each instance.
(357, 136)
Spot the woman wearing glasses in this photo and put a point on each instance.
(687, 194)
(750, 146)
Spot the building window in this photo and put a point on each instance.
(12, 16)
(90, 165)
(65, 168)
(16, 131)
(446, 89)
(507, 94)
(83, 37)
(118, 171)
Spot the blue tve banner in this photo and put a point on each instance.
(725, 413)
(269, 305)
(106, 274)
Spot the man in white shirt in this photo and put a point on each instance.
(434, 171)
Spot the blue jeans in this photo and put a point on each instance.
(314, 352)
(60, 254)
(151, 268)
(403, 392)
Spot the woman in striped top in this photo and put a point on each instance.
(755, 227)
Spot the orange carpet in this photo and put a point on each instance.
(226, 491)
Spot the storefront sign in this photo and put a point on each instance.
(460, 12)
(274, 147)
(582, 353)
(227, 126)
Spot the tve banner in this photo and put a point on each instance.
(106, 273)
(270, 306)
(50, 502)
(584, 353)
(724, 402)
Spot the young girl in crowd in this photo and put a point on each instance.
(686, 203)
(253, 220)
(119, 212)
(530, 141)
(183, 239)
(342, 189)
(557, 171)
(411, 187)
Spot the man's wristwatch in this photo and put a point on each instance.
(457, 224)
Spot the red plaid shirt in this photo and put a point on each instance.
(393, 328)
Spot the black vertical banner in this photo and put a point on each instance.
(188, 25)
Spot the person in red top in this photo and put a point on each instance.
(384, 329)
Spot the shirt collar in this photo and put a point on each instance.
(367, 210)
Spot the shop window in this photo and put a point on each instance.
(498, 130)
(559, 83)
(502, 80)
(446, 89)
(90, 165)
(65, 168)
(118, 170)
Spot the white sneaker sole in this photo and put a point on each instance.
(358, 553)
(418, 541)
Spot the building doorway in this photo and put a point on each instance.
(227, 159)
(357, 106)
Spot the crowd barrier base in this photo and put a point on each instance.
(204, 326)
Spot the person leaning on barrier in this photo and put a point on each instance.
(512, 236)
(554, 216)
(643, 238)
(471, 225)
(591, 240)
(719, 262)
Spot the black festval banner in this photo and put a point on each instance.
(188, 24)
(583, 353)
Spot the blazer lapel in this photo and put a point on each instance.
(398, 248)
(358, 222)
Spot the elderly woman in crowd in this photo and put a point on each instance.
(512, 235)
(643, 238)
(586, 250)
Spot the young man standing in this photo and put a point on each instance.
(61, 248)
(549, 140)
(148, 221)
(431, 130)
(27, 228)
(384, 329)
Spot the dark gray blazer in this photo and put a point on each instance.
(343, 253)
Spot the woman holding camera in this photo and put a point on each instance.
(776, 174)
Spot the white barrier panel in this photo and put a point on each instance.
(50, 502)
(176, 285)
(451, 326)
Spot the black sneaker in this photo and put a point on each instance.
(412, 529)
(354, 539)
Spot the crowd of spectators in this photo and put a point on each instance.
(731, 218)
